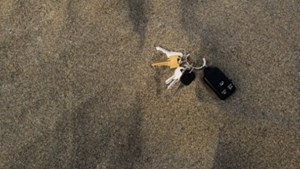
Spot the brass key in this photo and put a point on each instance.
(172, 62)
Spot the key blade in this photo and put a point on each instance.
(158, 64)
(172, 62)
(172, 83)
(169, 80)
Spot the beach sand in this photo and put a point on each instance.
(77, 89)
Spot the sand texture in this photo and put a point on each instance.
(77, 90)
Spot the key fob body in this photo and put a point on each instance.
(218, 82)
(187, 77)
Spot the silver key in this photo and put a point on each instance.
(175, 78)
(169, 53)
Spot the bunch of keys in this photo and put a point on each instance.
(184, 72)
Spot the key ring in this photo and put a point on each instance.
(190, 66)
(203, 65)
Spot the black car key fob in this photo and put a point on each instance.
(218, 82)
(187, 77)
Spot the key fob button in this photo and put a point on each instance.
(224, 92)
(230, 86)
(218, 82)
(221, 83)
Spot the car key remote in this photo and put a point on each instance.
(187, 77)
(218, 82)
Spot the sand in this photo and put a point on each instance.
(77, 89)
